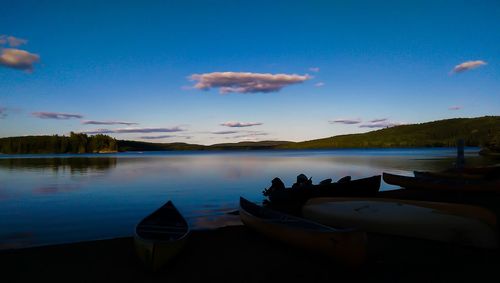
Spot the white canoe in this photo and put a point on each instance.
(446, 222)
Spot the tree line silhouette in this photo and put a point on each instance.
(75, 143)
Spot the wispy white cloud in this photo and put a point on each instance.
(12, 41)
(345, 121)
(382, 124)
(133, 130)
(92, 122)
(233, 124)
(18, 59)
(56, 115)
(239, 82)
(469, 65)
(314, 69)
(320, 84)
(455, 107)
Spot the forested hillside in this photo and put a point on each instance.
(474, 131)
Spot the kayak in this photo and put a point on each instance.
(445, 222)
(347, 246)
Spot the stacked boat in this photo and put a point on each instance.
(473, 180)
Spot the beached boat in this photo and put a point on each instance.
(365, 187)
(160, 236)
(347, 246)
(444, 184)
(445, 222)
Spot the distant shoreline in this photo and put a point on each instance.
(475, 132)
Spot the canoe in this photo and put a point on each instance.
(346, 246)
(364, 187)
(160, 236)
(443, 184)
(444, 222)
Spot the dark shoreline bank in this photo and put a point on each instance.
(236, 254)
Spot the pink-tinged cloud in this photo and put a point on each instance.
(91, 122)
(12, 41)
(469, 65)
(314, 69)
(224, 132)
(18, 59)
(56, 115)
(378, 120)
(345, 121)
(133, 130)
(383, 124)
(320, 84)
(455, 107)
(240, 124)
(236, 82)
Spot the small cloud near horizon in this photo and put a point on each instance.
(157, 137)
(233, 124)
(164, 137)
(224, 132)
(469, 65)
(376, 120)
(18, 59)
(382, 124)
(250, 135)
(92, 122)
(56, 115)
(320, 84)
(245, 82)
(3, 112)
(345, 121)
(455, 107)
(314, 69)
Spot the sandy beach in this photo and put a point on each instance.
(237, 254)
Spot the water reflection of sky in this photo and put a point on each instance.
(58, 198)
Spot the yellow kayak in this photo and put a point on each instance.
(445, 222)
(347, 246)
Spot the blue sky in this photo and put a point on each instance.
(227, 71)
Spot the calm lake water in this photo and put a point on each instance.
(47, 199)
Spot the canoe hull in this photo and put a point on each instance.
(155, 255)
(453, 223)
(160, 236)
(347, 247)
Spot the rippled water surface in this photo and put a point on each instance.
(46, 199)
